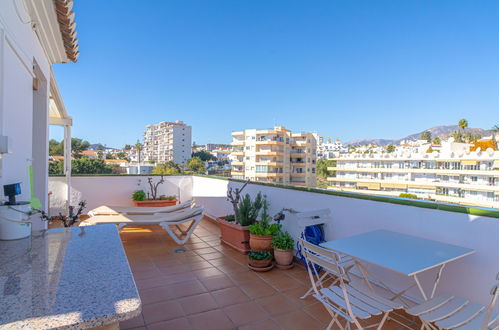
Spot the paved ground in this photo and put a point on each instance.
(210, 286)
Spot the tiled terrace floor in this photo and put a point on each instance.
(210, 286)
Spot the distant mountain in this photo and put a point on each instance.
(442, 132)
(97, 146)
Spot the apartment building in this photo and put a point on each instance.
(457, 173)
(168, 141)
(275, 155)
(329, 149)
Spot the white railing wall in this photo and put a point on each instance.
(471, 277)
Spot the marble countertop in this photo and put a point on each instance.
(67, 278)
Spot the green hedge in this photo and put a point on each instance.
(384, 199)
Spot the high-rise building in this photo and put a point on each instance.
(275, 155)
(168, 141)
(452, 172)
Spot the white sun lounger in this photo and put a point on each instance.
(165, 220)
(116, 210)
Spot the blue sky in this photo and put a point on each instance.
(343, 69)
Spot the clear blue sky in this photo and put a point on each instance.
(344, 69)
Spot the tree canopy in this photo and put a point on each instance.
(426, 135)
(390, 148)
(203, 155)
(81, 166)
(196, 165)
(168, 168)
(77, 147)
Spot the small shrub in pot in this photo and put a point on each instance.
(259, 259)
(283, 245)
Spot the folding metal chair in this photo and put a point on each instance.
(347, 300)
(449, 312)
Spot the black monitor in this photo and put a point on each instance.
(11, 190)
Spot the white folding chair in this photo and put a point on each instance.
(353, 303)
(449, 312)
(321, 217)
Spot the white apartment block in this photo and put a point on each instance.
(275, 156)
(330, 149)
(458, 173)
(168, 141)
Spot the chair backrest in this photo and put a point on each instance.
(490, 308)
(325, 258)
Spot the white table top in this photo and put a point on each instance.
(405, 254)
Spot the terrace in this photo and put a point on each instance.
(210, 282)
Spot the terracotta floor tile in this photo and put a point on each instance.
(197, 304)
(319, 312)
(180, 277)
(196, 246)
(177, 324)
(199, 265)
(207, 272)
(263, 325)
(257, 289)
(296, 294)
(211, 256)
(163, 311)
(277, 304)
(229, 296)
(240, 278)
(185, 289)
(245, 313)
(233, 268)
(132, 323)
(212, 320)
(155, 295)
(206, 250)
(284, 283)
(297, 320)
(217, 282)
(143, 275)
(175, 269)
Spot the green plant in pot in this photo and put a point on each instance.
(259, 259)
(234, 227)
(139, 195)
(283, 245)
(261, 232)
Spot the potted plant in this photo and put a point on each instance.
(234, 227)
(140, 199)
(283, 245)
(260, 260)
(261, 232)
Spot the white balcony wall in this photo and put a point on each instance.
(113, 190)
(472, 276)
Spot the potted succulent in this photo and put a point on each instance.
(140, 198)
(283, 245)
(261, 232)
(234, 228)
(260, 260)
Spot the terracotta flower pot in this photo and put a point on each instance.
(234, 235)
(283, 257)
(260, 243)
(259, 263)
(156, 202)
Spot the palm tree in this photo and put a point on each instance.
(139, 148)
(463, 124)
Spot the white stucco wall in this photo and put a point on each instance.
(19, 51)
(472, 276)
(113, 190)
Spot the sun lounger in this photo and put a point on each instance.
(116, 210)
(165, 220)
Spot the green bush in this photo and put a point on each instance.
(247, 210)
(283, 241)
(139, 195)
(261, 228)
(260, 255)
(167, 198)
(406, 195)
(230, 218)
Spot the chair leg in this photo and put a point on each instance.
(177, 239)
(319, 281)
(383, 320)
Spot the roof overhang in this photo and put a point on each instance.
(54, 24)
(57, 111)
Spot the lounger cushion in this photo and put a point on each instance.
(153, 219)
(115, 210)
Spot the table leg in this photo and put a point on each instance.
(435, 284)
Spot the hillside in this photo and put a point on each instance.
(440, 131)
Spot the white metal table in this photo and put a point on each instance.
(405, 254)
